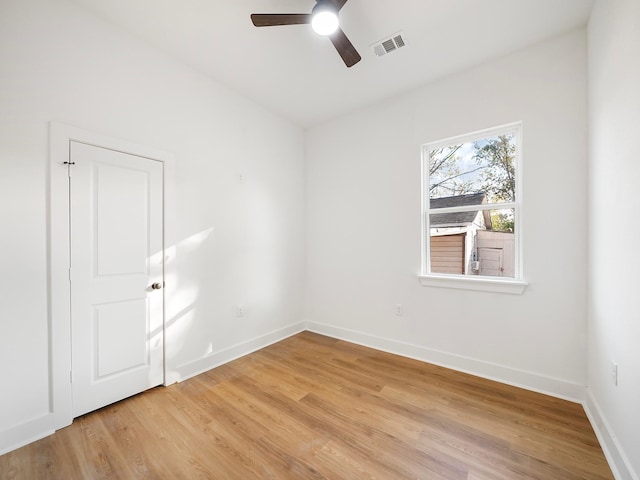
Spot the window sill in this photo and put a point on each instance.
(483, 284)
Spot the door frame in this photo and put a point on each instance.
(59, 248)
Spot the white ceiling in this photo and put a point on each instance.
(299, 75)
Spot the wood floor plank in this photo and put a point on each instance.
(314, 407)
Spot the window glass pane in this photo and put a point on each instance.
(473, 242)
(485, 166)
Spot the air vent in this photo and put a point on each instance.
(388, 45)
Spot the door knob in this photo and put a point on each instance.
(156, 286)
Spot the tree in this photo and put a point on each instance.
(502, 221)
(497, 156)
(498, 176)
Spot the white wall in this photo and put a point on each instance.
(363, 236)
(614, 256)
(236, 242)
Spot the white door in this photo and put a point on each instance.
(490, 261)
(116, 203)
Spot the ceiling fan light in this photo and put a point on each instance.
(324, 21)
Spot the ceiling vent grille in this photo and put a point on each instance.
(388, 45)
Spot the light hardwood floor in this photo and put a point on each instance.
(315, 407)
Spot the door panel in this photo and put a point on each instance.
(111, 320)
(121, 220)
(116, 255)
(490, 261)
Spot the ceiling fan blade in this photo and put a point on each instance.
(274, 19)
(345, 48)
(338, 3)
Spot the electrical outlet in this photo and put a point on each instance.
(614, 373)
(240, 311)
(399, 310)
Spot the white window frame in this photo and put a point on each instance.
(515, 285)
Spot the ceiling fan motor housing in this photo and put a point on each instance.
(324, 18)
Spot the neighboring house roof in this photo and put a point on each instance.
(459, 219)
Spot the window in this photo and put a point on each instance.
(472, 199)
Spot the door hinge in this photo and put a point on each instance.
(71, 376)
(68, 164)
(69, 273)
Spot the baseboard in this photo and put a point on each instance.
(618, 460)
(26, 432)
(511, 376)
(215, 359)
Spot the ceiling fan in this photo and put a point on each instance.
(324, 21)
